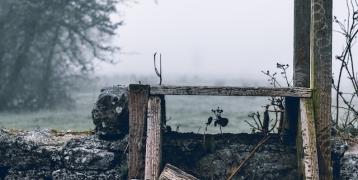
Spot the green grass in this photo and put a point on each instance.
(190, 113)
(61, 119)
(77, 118)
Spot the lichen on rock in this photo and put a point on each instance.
(50, 154)
(46, 154)
(110, 112)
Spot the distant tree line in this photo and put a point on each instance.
(45, 44)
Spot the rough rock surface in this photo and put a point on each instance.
(110, 113)
(49, 154)
(349, 168)
(219, 155)
(339, 147)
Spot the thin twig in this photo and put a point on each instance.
(249, 156)
(348, 28)
(158, 73)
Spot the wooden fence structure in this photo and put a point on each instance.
(308, 103)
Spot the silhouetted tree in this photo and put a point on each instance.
(44, 44)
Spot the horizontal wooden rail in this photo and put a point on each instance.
(230, 91)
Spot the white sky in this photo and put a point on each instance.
(236, 38)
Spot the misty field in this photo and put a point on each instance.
(75, 118)
(184, 113)
(190, 113)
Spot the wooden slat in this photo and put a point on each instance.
(321, 80)
(290, 120)
(138, 103)
(301, 72)
(308, 134)
(153, 153)
(171, 172)
(230, 91)
(301, 55)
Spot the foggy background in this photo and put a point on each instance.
(230, 39)
(207, 39)
(203, 43)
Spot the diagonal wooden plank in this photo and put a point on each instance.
(171, 172)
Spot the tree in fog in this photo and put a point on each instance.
(44, 44)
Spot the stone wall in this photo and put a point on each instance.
(219, 155)
(102, 154)
(50, 154)
(349, 163)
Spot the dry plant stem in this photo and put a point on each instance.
(158, 73)
(349, 112)
(249, 156)
(259, 118)
(350, 108)
(198, 130)
(349, 30)
(284, 72)
(276, 119)
(252, 126)
(275, 102)
(257, 122)
(273, 78)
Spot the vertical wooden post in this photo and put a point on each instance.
(290, 125)
(301, 53)
(301, 78)
(321, 80)
(309, 162)
(301, 62)
(138, 103)
(153, 155)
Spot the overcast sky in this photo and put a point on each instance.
(236, 38)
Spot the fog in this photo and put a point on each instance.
(207, 39)
(202, 43)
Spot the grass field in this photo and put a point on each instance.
(187, 113)
(190, 113)
(77, 118)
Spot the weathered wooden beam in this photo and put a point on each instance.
(138, 103)
(171, 172)
(153, 155)
(289, 132)
(309, 159)
(301, 74)
(230, 91)
(321, 80)
(301, 44)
